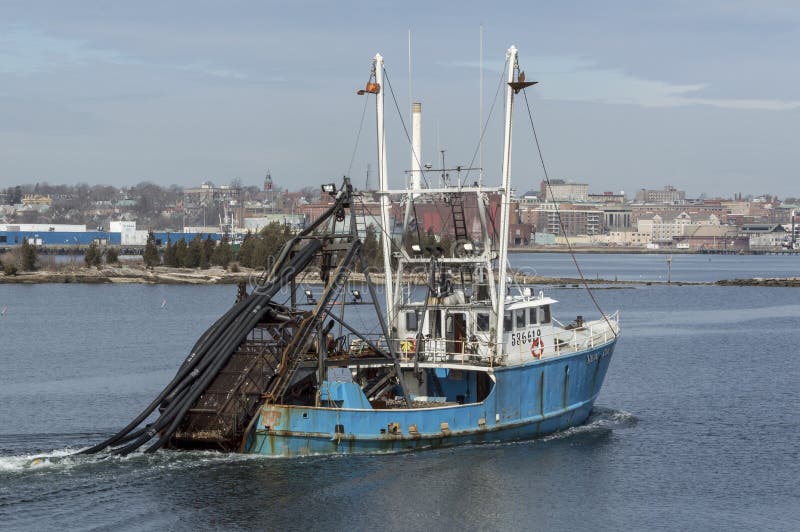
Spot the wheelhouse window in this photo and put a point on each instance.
(519, 318)
(482, 321)
(544, 314)
(411, 320)
(507, 321)
(532, 316)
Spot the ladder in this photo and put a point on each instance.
(460, 232)
(357, 206)
(459, 220)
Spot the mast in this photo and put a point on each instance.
(506, 198)
(416, 146)
(480, 108)
(383, 185)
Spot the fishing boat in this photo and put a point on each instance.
(460, 354)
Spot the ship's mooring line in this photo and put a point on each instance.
(560, 221)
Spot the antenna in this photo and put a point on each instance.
(410, 98)
(366, 182)
(444, 170)
(480, 107)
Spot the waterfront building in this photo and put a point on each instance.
(664, 231)
(668, 212)
(616, 218)
(626, 238)
(208, 193)
(712, 237)
(575, 219)
(668, 194)
(255, 224)
(43, 228)
(763, 236)
(560, 190)
(521, 234)
(608, 198)
(36, 199)
(128, 235)
(737, 207)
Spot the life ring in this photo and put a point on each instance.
(537, 347)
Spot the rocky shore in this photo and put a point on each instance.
(129, 274)
(763, 281)
(162, 275)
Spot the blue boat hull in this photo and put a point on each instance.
(527, 401)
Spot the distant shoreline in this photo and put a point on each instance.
(602, 250)
(643, 251)
(78, 251)
(128, 274)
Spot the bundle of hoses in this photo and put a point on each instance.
(209, 355)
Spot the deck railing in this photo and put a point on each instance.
(563, 339)
(572, 338)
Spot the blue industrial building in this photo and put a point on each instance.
(85, 238)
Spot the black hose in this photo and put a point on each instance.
(192, 360)
(301, 260)
(210, 353)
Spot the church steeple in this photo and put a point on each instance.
(268, 182)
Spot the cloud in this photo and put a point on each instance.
(26, 51)
(571, 78)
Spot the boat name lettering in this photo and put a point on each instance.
(523, 337)
(594, 357)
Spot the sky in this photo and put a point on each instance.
(699, 95)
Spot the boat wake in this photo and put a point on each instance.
(26, 462)
(65, 460)
(601, 421)
(611, 418)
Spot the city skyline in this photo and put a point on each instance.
(630, 96)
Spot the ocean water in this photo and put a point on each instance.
(697, 426)
(653, 267)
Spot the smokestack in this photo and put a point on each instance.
(416, 146)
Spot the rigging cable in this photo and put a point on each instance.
(488, 118)
(358, 137)
(416, 155)
(560, 221)
(405, 129)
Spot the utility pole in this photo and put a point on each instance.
(669, 269)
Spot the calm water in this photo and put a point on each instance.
(697, 426)
(640, 267)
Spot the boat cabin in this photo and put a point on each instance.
(452, 330)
